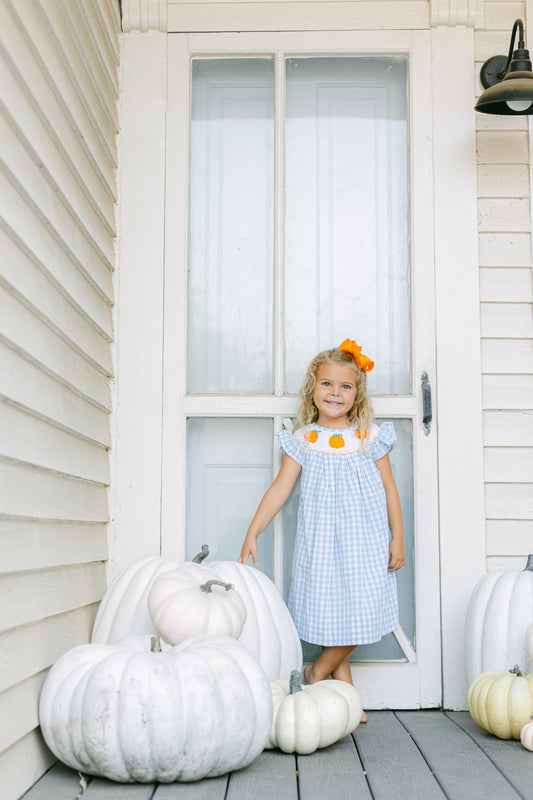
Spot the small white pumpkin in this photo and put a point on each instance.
(501, 702)
(191, 600)
(496, 624)
(526, 735)
(201, 709)
(309, 717)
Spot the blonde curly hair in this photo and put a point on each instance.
(361, 414)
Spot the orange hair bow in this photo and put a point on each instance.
(364, 362)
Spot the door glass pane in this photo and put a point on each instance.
(229, 468)
(231, 226)
(347, 215)
(402, 467)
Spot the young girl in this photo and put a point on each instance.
(343, 591)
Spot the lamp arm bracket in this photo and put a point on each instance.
(497, 67)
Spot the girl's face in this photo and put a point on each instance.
(334, 394)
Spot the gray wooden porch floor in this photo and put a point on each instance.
(416, 755)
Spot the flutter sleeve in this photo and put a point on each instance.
(383, 442)
(292, 446)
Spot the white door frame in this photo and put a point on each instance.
(413, 686)
(144, 522)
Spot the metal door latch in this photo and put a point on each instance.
(427, 414)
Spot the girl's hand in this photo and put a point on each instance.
(249, 548)
(396, 555)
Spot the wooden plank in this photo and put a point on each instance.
(506, 320)
(108, 14)
(500, 16)
(38, 494)
(102, 789)
(56, 194)
(508, 428)
(391, 759)
(48, 398)
(272, 774)
(23, 764)
(44, 593)
(504, 249)
(26, 545)
(28, 439)
(509, 537)
(509, 501)
(45, 51)
(87, 35)
(59, 783)
(24, 697)
(507, 392)
(55, 102)
(505, 285)
(295, 15)
(23, 278)
(508, 356)
(507, 563)
(36, 341)
(503, 214)
(513, 760)
(502, 180)
(28, 650)
(461, 768)
(32, 236)
(335, 771)
(502, 147)
(208, 789)
(508, 464)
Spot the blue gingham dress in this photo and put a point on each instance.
(341, 592)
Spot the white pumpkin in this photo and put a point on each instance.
(310, 717)
(496, 621)
(501, 702)
(526, 735)
(193, 711)
(269, 632)
(191, 600)
(529, 641)
(124, 606)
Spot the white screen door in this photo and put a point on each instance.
(299, 230)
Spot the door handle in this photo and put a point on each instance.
(427, 414)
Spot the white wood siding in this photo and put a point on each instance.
(504, 183)
(58, 128)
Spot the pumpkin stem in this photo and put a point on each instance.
(529, 565)
(517, 671)
(155, 644)
(199, 557)
(206, 587)
(295, 682)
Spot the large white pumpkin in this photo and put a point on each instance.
(499, 612)
(269, 632)
(124, 606)
(307, 718)
(193, 711)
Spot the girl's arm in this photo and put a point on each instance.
(394, 513)
(273, 500)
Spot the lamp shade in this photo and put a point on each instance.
(513, 95)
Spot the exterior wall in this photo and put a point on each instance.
(504, 184)
(58, 132)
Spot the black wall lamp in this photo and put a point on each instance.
(508, 82)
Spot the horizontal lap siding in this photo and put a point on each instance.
(58, 127)
(504, 212)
